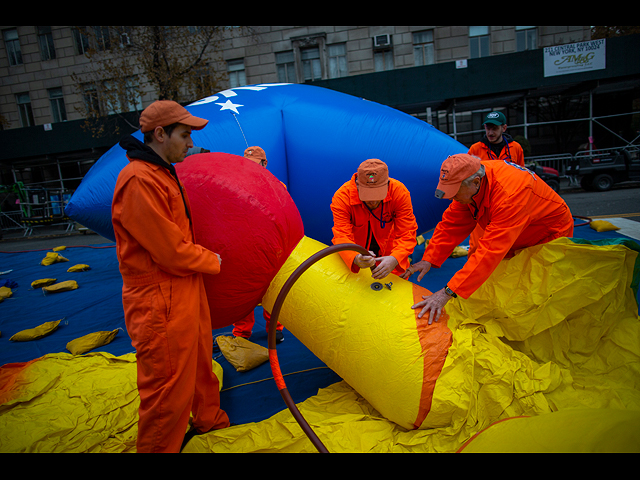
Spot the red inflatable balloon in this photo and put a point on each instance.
(245, 214)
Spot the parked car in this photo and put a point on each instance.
(550, 175)
(599, 170)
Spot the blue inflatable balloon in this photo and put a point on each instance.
(314, 139)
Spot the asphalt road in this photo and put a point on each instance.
(622, 201)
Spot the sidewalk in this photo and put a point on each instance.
(46, 238)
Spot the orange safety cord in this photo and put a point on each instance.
(273, 356)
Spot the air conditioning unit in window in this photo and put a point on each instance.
(381, 41)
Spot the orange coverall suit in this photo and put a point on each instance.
(165, 307)
(395, 231)
(516, 208)
(511, 152)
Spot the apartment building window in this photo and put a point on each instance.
(45, 38)
(526, 38)
(311, 66)
(286, 67)
(479, 41)
(382, 53)
(423, 48)
(58, 110)
(24, 108)
(338, 60)
(91, 100)
(237, 76)
(12, 44)
(80, 41)
(103, 38)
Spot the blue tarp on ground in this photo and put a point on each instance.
(96, 306)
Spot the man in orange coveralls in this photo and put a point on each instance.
(515, 207)
(244, 327)
(375, 212)
(163, 295)
(496, 143)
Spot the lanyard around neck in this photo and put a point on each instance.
(382, 223)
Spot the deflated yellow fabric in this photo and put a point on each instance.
(242, 354)
(53, 257)
(567, 431)
(35, 333)
(91, 341)
(74, 404)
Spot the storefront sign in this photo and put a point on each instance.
(575, 58)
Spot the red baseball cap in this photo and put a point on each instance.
(454, 170)
(162, 113)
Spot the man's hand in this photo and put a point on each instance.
(422, 266)
(365, 261)
(385, 267)
(434, 304)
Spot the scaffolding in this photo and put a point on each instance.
(34, 206)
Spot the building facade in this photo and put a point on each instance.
(449, 76)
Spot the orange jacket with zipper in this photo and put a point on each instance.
(512, 151)
(394, 231)
(514, 207)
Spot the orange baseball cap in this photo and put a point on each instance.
(454, 170)
(256, 154)
(373, 180)
(162, 113)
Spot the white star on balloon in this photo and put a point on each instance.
(229, 105)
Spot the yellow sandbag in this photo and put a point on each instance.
(59, 249)
(81, 267)
(242, 354)
(40, 331)
(90, 341)
(603, 226)
(568, 431)
(61, 287)
(5, 292)
(43, 282)
(53, 257)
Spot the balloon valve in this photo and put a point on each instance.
(388, 285)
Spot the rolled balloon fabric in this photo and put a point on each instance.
(243, 213)
(365, 331)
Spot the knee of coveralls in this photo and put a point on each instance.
(244, 327)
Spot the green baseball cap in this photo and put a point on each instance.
(497, 118)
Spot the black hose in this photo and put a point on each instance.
(273, 357)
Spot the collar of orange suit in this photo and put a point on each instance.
(136, 150)
(479, 197)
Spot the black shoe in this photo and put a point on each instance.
(279, 336)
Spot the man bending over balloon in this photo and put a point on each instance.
(375, 212)
(515, 208)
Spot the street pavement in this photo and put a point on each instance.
(620, 206)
